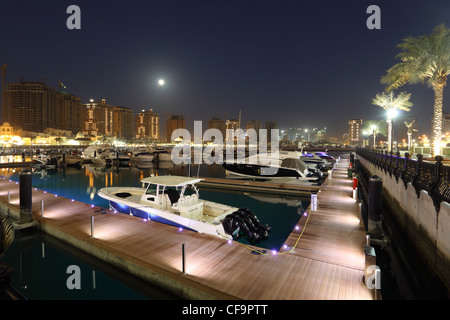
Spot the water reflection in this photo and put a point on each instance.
(41, 265)
(82, 183)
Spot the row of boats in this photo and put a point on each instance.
(304, 167)
(104, 155)
(175, 200)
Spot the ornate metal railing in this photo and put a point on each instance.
(431, 176)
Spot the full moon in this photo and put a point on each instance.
(161, 82)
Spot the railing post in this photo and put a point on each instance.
(375, 204)
(436, 182)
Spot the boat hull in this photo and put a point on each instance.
(144, 215)
(263, 172)
(135, 208)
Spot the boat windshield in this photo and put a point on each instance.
(152, 189)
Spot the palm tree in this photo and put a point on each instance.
(392, 104)
(424, 58)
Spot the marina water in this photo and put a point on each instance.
(41, 262)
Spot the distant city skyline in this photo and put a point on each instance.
(306, 65)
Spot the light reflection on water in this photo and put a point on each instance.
(82, 184)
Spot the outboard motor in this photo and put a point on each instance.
(244, 223)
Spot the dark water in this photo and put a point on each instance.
(41, 262)
(41, 272)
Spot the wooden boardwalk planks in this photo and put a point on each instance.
(327, 262)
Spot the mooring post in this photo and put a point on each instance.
(375, 206)
(313, 202)
(25, 198)
(92, 226)
(355, 188)
(183, 254)
(42, 207)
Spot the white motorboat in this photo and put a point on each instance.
(100, 152)
(46, 161)
(142, 155)
(261, 167)
(315, 161)
(326, 156)
(71, 160)
(162, 154)
(174, 200)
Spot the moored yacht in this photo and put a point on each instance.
(262, 167)
(161, 154)
(315, 161)
(174, 200)
(142, 155)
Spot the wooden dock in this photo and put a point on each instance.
(326, 263)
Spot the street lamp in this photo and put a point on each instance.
(374, 127)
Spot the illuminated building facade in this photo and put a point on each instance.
(354, 131)
(146, 125)
(31, 105)
(122, 122)
(174, 122)
(72, 113)
(216, 123)
(99, 120)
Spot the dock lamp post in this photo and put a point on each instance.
(374, 128)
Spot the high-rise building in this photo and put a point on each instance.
(216, 123)
(123, 122)
(174, 122)
(72, 113)
(354, 131)
(31, 105)
(321, 135)
(256, 125)
(231, 126)
(269, 126)
(99, 119)
(146, 125)
(294, 134)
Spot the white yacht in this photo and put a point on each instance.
(174, 200)
(142, 155)
(162, 154)
(314, 160)
(100, 152)
(288, 164)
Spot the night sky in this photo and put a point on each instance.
(309, 64)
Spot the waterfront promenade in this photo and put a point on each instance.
(326, 263)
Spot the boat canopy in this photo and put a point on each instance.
(293, 164)
(171, 181)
